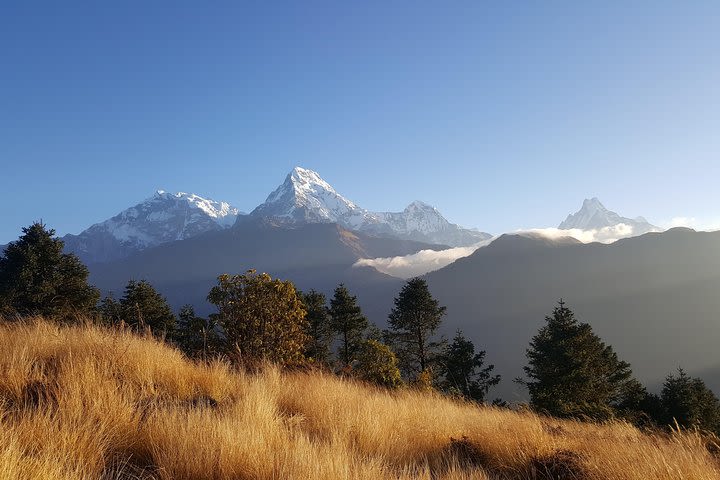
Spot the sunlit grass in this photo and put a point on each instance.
(84, 403)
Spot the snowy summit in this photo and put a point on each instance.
(304, 197)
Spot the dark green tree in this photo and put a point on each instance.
(37, 278)
(110, 311)
(142, 306)
(572, 372)
(463, 371)
(348, 322)
(319, 330)
(413, 322)
(688, 401)
(262, 318)
(195, 335)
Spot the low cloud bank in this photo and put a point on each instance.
(425, 261)
(601, 235)
(419, 263)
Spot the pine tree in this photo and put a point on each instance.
(348, 322)
(110, 311)
(572, 372)
(195, 335)
(688, 401)
(261, 318)
(142, 306)
(464, 372)
(413, 322)
(37, 278)
(319, 330)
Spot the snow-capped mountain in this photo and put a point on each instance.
(305, 197)
(594, 216)
(162, 218)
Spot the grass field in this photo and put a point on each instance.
(85, 403)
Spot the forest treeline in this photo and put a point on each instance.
(570, 371)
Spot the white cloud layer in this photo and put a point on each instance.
(425, 261)
(601, 235)
(419, 263)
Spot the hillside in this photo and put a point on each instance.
(84, 402)
(318, 256)
(654, 298)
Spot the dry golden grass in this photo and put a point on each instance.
(85, 403)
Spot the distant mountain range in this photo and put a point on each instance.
(162, 218)
(654, 297)
(303, 198)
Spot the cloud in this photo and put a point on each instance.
(425, 261)
(705, 225)
(602, 235)
(419, 263)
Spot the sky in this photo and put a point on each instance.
(503, 115)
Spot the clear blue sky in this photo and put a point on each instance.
(502, 114)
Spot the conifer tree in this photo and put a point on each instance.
(413, 322)
(319, 330)
(110, 311)
(464, 372)
(261, 318)
(195, 335)
(348, 322)
(572, 372)
(37, 278)
(142, 306)
(688, 401)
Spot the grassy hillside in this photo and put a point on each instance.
(86, 403)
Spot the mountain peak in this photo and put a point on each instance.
(420, 205)
(593, 204)
(306, 198)
(593, 216)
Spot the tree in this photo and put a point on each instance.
(688, 401)
(110, 311)
(377, 364)
(464, 372)
(319, 330)
(348, 321)
(413, 322)
(142, 306)
(262, 318)
(196, 336)
(37, 278)
(572, 372)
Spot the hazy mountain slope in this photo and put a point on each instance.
(162, 218)
(654, 298)
(314, 256)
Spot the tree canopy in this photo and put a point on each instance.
(572, 372)
(464, 372)
(413, 322)
(262, 318)
(142, 306)
(37, 278)
(348, 322)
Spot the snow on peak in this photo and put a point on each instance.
(162, 218)
(304, 197)
(593, 215)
